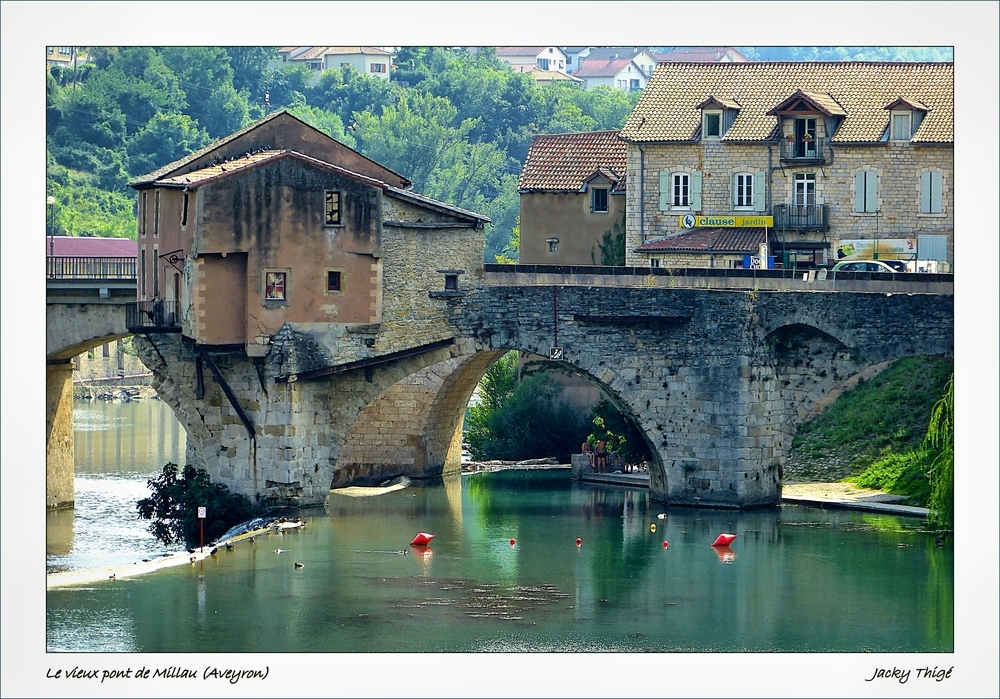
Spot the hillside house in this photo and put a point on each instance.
(279, 224)
(710, 54)
(545, 57)
(367, 60)
(827, 160)
(572, 192)
(622, 73)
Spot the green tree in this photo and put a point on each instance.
(250, 70)
(511, 252)
(940, 442)
(165, 138)
(173, 506)
(619, 432)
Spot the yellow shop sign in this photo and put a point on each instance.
(691, 221)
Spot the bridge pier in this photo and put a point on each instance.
(59, 451)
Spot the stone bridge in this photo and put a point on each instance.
(717, 379)
(85, 308)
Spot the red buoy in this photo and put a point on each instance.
(665, 544)
(421, 539)
(579, 541)
(724, 540)
(511, 542)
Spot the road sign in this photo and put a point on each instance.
(556, 353)
(202, 512)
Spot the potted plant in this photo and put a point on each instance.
(790, 138)
(807, 137)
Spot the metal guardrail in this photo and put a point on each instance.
(121, 268)
(152, 317)
(812, 151)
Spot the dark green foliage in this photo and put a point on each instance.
(174, 504)
(525, 419)
(613, 245)
(619, 432)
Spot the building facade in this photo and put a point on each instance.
(572, 193)
(828, 160)
(277, 225)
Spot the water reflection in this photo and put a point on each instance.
(785, 584)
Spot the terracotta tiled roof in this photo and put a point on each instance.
(736, 240)
(563, 162)
(198, 177)
(312, 53)
(82, 246)
(609, 53)
(350, 50)
(602, 69)
(666, 111)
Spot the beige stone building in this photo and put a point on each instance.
(279, 224)
(826, 160)
(572, 192)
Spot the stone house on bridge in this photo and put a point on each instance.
(819, 160)
(279, 224)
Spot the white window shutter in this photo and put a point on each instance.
(859, 191)
(871, 191)
(696, 190)
(925, 192)
(936, 192)
(732, 190)
(760, 191)
(664, 190)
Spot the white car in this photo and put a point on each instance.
(866, 266)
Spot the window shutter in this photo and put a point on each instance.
(696, 190)
(728, 117)
(664, 190)
(925, 192)
(760, 191)
(936, 192)
(859, 191)
(732, 190)
(871, 191)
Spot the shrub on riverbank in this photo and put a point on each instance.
(177, 495)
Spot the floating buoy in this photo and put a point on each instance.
(724, 540)
(662, 515)
(665, 544)
(579, 541)
(511, 542)
(652, 527)
(421, 539)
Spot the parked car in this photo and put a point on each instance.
(869, 266)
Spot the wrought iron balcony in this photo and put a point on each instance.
(802, 218)
(142, 317)
(799, 151)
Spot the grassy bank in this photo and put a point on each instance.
(870, 434)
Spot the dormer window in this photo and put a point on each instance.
(717, 115)
(901, 126)
(711, 124)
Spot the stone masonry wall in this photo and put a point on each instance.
(899, 166)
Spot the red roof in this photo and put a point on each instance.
(80, 246)
(737, 240)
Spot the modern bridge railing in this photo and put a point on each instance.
(120, 268)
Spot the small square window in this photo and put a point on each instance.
(333, 280)
(654, 262)
(332, 217)
(553, 244)
(451, 282)
(274, 286)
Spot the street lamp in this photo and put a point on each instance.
(51, 201)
